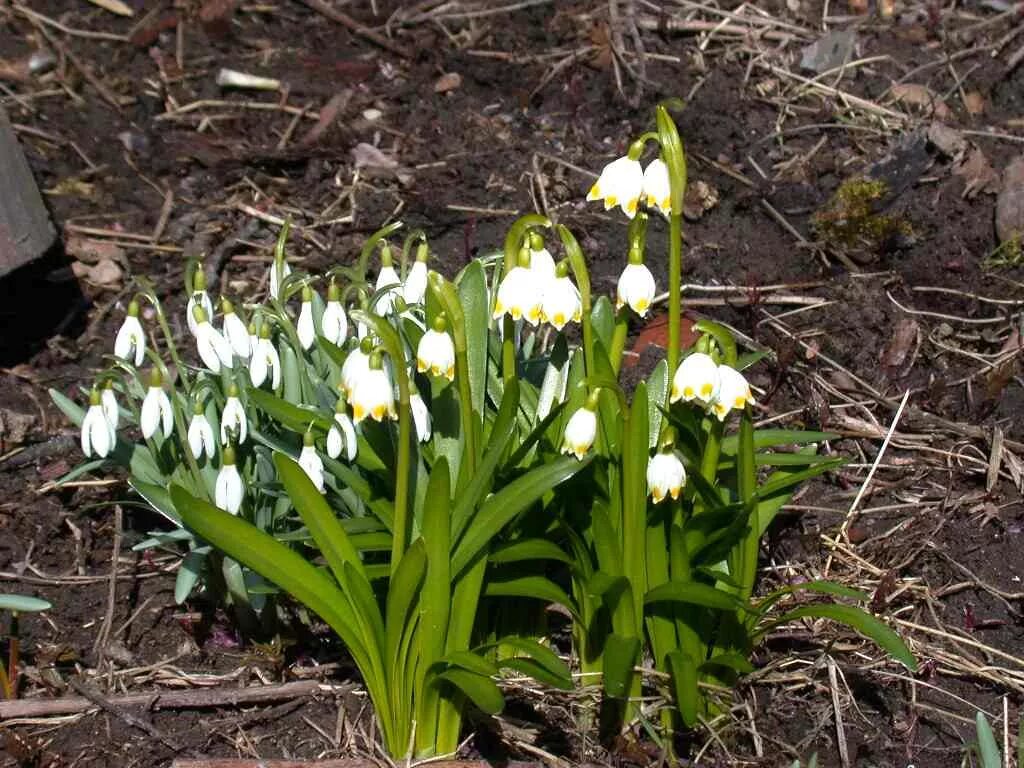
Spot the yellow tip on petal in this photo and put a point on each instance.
(657, 495)
(675, 492)
(421, 365)
(378, 412)
(706, 389)
(610, 202)
(740, 402)
(632, 205)
(594, 193)
(641, 306)
(666, 204)
(559, 319)
(358, 413)
(533, 314)
(688, 392)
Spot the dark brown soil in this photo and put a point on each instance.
(940, 549)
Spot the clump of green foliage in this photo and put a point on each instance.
(851, 222)
(1008, 254)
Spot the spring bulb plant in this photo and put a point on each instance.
(408, 454)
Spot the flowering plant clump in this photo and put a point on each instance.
(414, 444)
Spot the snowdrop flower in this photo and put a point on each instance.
(581, 430)
(665, 475)
(620, 183)
(214, 350)
(636, 285)
(518, 295)
(355, 367)
(130, 342)
(279, 270)
(415, 288)
(386, 277)
(311, 463)
(199, 298)
(342, 434)
(109, 402)
(234, 425)
(235, 331)
(420, 416)
(334, 323)
(542, 263)
(229, 491)
(304, 327)
(254, 336)
(200, 433)
(436, 351)
(97, 435)
(561, 299)
(696, 378)
(733, 392)
(372, 393)
(658, 187)
(265, 360)
(156, 408)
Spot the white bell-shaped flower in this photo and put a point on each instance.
(415, 288)
(109, 402)
(156, 409)
(334, 323)
(542, 264)
(234, 424)
(580, 432)
(372, 393)
(265, 360)
(420, 416)
(386, 278)
(696, 379)
(199, 298)
(658, 187)
(436, 351)
(355, 367)
(97, 435)
(620, 183)
(519, 297)
(342, 434)
(200, 433)
(311, 462)
(733, 392)
(561, 300)
(235, 331)
(254, 336)
(279, 270)
(304, 327)
(636, 287)
(130, 342)
(665, 475)
(229, 489)
(214, 350)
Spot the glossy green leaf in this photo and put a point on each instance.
(482, 691)
(472, 286)
(296, 417)
(67, 406)
(291, 377)
(988, 750)
(602, 318)
(735, 661)
(620, 657)
(188, 575)
(534, 587)
(683, 673)
(555, 671)
(529, 549)
(789, 480)
(657, 389)
(820, 587)
(437, 592)
(694, 593)
(403, 595)
(23, 604)
(470, 661)
(767, 438)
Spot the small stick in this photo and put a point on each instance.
(349, 23)
(833, 679)
(108, 620)
(127, 717)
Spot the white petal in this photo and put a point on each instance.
(420, 417)
(229, 489)
(313, 466)
(195, 436)
(696, 378)
(130, 342)
(561, 302)
(258, 365)
(275, 283)
(305, 329)
(542, 264)
(205, 345)
(149, 418)
(518, 296)
(436, 353)
(349, 431)
(415, 287)
(658, 187)
(96, 433)
(387, 276)
(334, 442)
(580, 432)
(237, 335)
(372, 396)
(233, 419)
(110, 410)
(165, 412)
(275, 362)
(334, 323)
(620, 183)
(636, 288)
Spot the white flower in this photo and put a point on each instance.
(420, 416)
(580, 432)
(278, 272)
(265, 360)
(355, 366)
(229, 490)
(311, 463)
(97, 435)
(696, 378)
(234, 425)
(130, 342)
(156, 409)
(658, 187)
(214, 350)
(665, 476)
(561, 302)
(372, 395)
(635, 288)
(199, 298)
(415, 287)
(304, 327)
(733, 392)
(109, 402)
(200, 433)
(342, 435)
(254, 338)
(620, 183)
(235, 331)
(334, 323)
(518, 296)
(387, 277)
(436, 353)
(542, 264)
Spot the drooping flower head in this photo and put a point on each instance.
(620, 183)
(234, 424)
(436, 351)
(561, 299)
(733, 393)
(156, 408)
(658, 186)
(229, 490)
(97, 435)
(279, 270)
(265, 360)
(542, 263)
(373, 394)
(334, 323)
(355, 366)
(420, 416)
(130, 342)
(696, 379)
(304, 327)
(518, 296)
(636, 284)
(214, 350)
(109, 401)
(200, 432)
(388, 283)
(665, 475)
(235, 331)
(311, 462)
(342, 434)
(199, 298)
(415, 287)
(581, 430)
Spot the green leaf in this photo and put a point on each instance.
(790, 459)
(470, 661)
(537, 587)
(861, 621)
(602, 318)
(530, 549)
(784, 483)
(23, 604)
(295, 417)
(694, 593)
(821, 587)
(403, 591)
(767, 438)
(188, 574)
(482, 691)
(620, 655)
(683, 672)
(437, 589)
(290, 377)
(538, 672)
(71, 409)
(748, 359)
(657, 386)
(987, 748)
(540, 657)
(472, 285)
(734, 661)
(158, 498)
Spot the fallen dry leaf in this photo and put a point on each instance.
(974, 103)
(14, 427)
(449, 81)
(1010, 203)
(655, 334)
(700, 198)
(368, 156)
(921, 97)
(105, 274)
(949, 141)
(92, 251)
(979, 176)
(899, 356)
(114, 6)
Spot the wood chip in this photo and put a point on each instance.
(921, 97)
(978, 174)
(974, 103)
(449, 81)
(1010, 203)
(114, 6)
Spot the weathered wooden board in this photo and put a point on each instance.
(26, 232)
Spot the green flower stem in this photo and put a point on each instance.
(582, 275)
(619, 337)
(371, 243)
(712, 451)
(675, 281)
(508, 349)
(447, 296)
